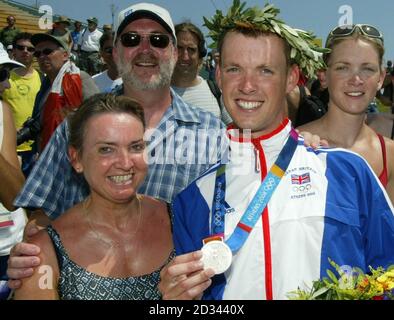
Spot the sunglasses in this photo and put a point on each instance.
(156, 40)
(22, 48)
(45, 51)
(108, 50)
(348, 30)
(4, 74)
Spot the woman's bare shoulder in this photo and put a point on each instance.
(153, 203)
(69, 219)
(157, 209)
(41, 239)
(311, 127)
(389, 150)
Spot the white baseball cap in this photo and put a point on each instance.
(5, 59)
(145, 10)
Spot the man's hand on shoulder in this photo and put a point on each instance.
(24, 255)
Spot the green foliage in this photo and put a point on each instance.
(304, 51)
(353, 285)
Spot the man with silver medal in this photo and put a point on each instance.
(281, 237)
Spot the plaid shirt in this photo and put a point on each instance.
(180, 149)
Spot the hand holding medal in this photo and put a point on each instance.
(216, 255)
(185, 277)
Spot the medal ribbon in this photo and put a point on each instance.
(259, 201)
(218, 209)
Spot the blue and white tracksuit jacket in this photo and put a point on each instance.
(329, 204)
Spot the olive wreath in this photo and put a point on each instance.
(304, 50)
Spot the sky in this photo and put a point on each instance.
(318, 16)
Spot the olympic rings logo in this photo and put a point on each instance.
(269, 185)
(217, 219)
(304, 188)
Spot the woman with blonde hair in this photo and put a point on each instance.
(354, 74)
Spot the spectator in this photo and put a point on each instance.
(186, 80)
(107, 28)
(64, 86)
(11, 177)
(60, 30)
(25, 83)
(208, 66)
(389, 66)
(107, 80)
(387, 97)
(89, 57)
(319, 88)
(76, 35)
(213, 61)
(8, 33)
(84, 246)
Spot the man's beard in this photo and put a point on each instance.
(191, 70)
(157, 81)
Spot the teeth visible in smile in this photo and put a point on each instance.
(146, 64)
(248, 104)
(355, 94)
(121, 179)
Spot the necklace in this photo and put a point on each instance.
(99, 235)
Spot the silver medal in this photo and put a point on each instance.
(216, 255)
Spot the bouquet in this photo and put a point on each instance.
(352, 284)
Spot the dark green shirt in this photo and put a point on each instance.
(7, 35)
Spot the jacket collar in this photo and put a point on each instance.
(231, 133)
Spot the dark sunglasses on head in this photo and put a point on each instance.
(22, 48)
(156, 40)
(45, 51)
(4, 74)
(347, 30)
(108, 50)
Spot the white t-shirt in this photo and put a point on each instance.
(90, 41)
(105, 83)
(201, 97)
(9, 235)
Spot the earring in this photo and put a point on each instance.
(78, 169)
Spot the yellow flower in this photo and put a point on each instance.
(387, 280)
(376, 285)
(376, 288)
(390, 273)
(382, 278)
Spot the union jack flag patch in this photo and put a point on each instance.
(300, 179)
